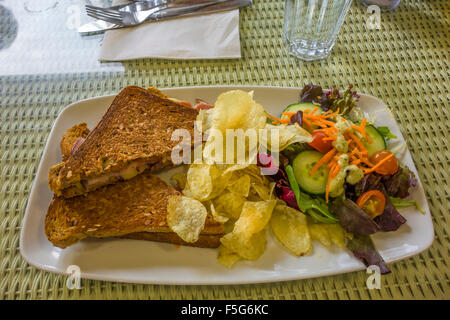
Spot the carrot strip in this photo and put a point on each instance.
(367, 162)
(379, 164)
(327, 189)
(312, 112)
(327, 157)
(274, 118)
(318, 123)
(336, 170)
(362, 129)
(331, 175)
(358, 142)
(329, 114)
(329, 131)
(331, 163)
(327, 122)
(307, 123)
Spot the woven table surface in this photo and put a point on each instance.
(45, 66)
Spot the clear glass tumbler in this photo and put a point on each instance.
(311, 26)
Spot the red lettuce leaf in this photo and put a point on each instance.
(286, 194)
(398, 184)
(352, 218)
(313, 93)
(297, 118)
(363, 248)
(390, 219)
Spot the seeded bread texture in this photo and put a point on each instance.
(126, 209)
(137, 127)
(70, 137)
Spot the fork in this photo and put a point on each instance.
(137, 13)
(138, 5)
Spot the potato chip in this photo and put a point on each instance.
(240, 186)
(179, 180)
(236, 109)
(228, 226)
(219, 179)
(248, 248)
(272, 194)
(199, 181)
(254, 217)
(328, 234)
(227, 257)
(291, 229)
(186, 217)
(287, 134)
(336, 233)
(205, 118)
(230, 204)
(318, 232)
(235, 167)
(218, 216)
(255, 174)
(187, 192)
(262, 191)
(205, 181)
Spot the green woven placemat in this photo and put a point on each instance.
(405, 63)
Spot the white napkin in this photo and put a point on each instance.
(209, 36)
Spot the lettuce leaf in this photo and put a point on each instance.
(333, 99)
(404, 203)
(398, 184)
(286, 194)
(386, 133)
(352, 218)
(315, 94)
(390, 219)
(364, 249)
(345, 102)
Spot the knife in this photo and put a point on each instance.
(99, 26)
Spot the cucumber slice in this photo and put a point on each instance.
(302, 106)
(377, 138)
(302, 165)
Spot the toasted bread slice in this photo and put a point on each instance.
(131, 209)
(134, 135)
(204, 240)
(74, 134)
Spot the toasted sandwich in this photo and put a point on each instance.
(133, 136)
(135, 209)
(73, 138)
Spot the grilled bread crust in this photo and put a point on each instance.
(137, 127)
(127, 209)
(70, 137)
(204, 240)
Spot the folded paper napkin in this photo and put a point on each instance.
(208, 36)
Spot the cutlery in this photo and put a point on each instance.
(176, 10)
(135, 5)
(138, 12)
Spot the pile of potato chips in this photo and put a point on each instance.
(238, 196)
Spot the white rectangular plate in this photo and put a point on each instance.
(159, 263)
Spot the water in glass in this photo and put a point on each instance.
(311, 26)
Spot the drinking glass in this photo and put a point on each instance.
(311, 26)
